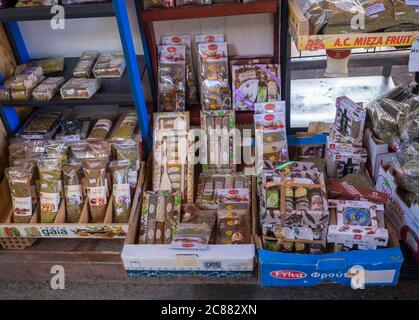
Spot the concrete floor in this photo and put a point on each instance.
(13, 290)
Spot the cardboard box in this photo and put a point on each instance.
(404, 218)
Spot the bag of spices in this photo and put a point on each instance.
(128, 150)
(126, 127)
(97, 188)
(101, 129)
(84, 67)
(57, 150)
(121, 190)
(51, 65)
(20, 185)
(406, 11)
(171, 78)
(50, 188)
(90, 150)
(73, 190)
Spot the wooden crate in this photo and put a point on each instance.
(299, 27)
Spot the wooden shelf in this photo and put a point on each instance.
(216, 10)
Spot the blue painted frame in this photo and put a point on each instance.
(133, 70)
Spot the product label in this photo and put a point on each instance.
(122, 194)
(74, 194)
(374, 9)
(172, 54)
(414, 57)
(213, 52)
(97, 196)
(71, 138)
(248, 75)
(412, 2)
(133, 178)
(49, 201)
(217, 37)
(22, 206)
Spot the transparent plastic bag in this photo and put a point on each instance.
(193, 3)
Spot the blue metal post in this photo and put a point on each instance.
(132, 65)
(16, 38)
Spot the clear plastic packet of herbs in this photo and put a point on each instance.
(152, 4)
(80, 88)
(73, 191)
(406, 11)
(191, 85)
(51, 65)
(126, 128)
(90, 150)
(171, 78)
(101, 129)
(215, 87)
(47, 89)
(121, 190)
(194, 232)
(20, 179)
(57, 149)
(94, 172)
(84, 67)
(50, 185)
(193, 3)
(129, 150)
(110, 65)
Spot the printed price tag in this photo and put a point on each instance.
(414, 57)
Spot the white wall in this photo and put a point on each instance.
(251, 34)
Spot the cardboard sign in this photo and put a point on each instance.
(414, 57)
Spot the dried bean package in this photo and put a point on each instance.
(78, 88)
(97, 188)
(73, 190)
(213, 74)
(49, 188)
(191, 86)
(152, 4)
(172, 78)
(20, 186)
(256, 83)
(121, 190)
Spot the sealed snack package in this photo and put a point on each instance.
(49, 188)
(110, 65)
(256, 83)
(27, 79)
(407, 11)
(20, 186)
(101, 129)
(52, 65)
(73, 190)
(193, 3)
(171, 77)
(80, 88)
(129, 150)
(47, 89)
(191, 86)
(194, 232)
(152, 4)
(121, 190)
(84, 67)
(97, 188)
(213, 75)
(41, 126)
(126, 128)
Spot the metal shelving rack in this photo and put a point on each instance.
(126, 90)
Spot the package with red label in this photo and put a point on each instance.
(359, 224)
(191, 87)
(349, 122)
(171, 78)
(348, 191)
(271, 138)
(213, 76)
(233, 217)
(255, 84)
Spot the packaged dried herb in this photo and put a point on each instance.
(27, 79)
(84, 67)
(78, 88)
(50, 188)
(48, 88)
(110, 65)
(51, 65)
(42, 124)
(126, 127)
(406, 11)
(101, 129)
(213, 75)
(191, 86)
(90, 150)
(74, 130)
(97, 188)
(193, 3)
(20, 185)
(57, 150)
(171, 78)
(128, 150)
(121, 190)
(73, 190)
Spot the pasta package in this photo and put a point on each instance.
(213, 74)
(191, 87)
(171, 78)
(256, 83)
